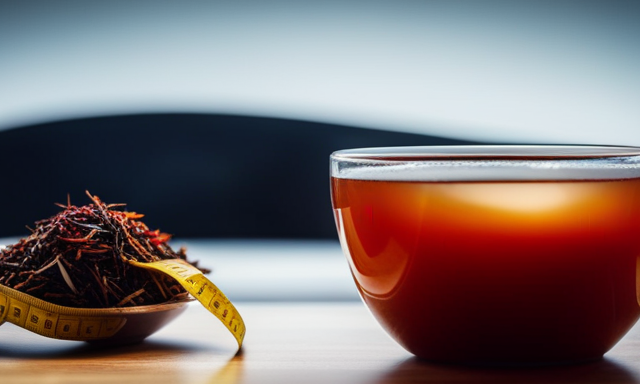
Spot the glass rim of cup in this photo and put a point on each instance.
(487, 163)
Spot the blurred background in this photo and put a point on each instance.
(216, 118)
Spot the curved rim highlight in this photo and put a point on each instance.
(487, 152)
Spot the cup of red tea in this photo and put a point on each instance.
(494, 254)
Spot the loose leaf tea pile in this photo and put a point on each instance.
(78, 258)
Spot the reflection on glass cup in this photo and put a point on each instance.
(494, 254)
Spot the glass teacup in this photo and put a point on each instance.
(494, 254)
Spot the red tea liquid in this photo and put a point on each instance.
(535, 272)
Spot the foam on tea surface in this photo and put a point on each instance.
(484, 163)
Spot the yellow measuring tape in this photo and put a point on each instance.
(96, 324)
(56, 321)
(203, 290)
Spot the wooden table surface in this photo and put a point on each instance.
(285, 343)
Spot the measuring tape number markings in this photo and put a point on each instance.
(91, 324)
(203, 290)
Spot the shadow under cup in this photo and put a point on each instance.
(494, 254)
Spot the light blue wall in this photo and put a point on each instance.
(528, 71)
